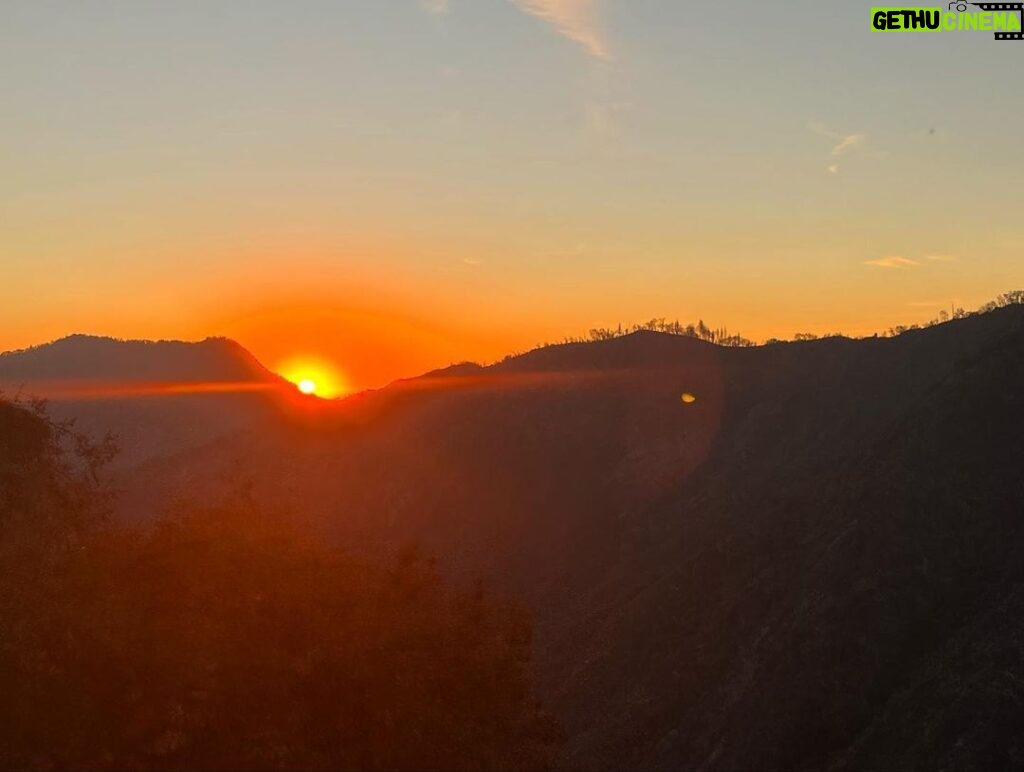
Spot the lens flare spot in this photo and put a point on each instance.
(688, 398)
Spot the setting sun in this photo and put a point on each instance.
(462, 384)
(314, 376)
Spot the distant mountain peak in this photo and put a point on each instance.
(83, 357)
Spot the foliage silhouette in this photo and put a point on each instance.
(227, 638)
(722, 337)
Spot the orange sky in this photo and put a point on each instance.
(393, 187)
(351, 348)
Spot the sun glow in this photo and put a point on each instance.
(314, 376)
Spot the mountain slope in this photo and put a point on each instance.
(87, 358)
(829, 590)
(158, 398)
(794, 571)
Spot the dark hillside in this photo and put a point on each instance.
(226, 638)
(789, 571)
(84, 358)
(158, 398)
(835, 587)
(636, 350)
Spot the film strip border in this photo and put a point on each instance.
(1019, 7)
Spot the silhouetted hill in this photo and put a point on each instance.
(455, 371)
(808, 565)
(635, 350)
(158, 398)
(78, 358)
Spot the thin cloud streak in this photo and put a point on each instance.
(575, 19)
(848, 142)
(892, 262)
(906, 262)
(843, 144)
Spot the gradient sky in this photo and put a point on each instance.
(394, 184)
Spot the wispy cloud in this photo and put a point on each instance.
(471, 261)
(892, 262)
(847, 143)
(435, 7)
(842, 144)
(906, 262)
(575, 19)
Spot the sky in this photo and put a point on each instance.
(394, 185)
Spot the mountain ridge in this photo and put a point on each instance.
(157, 398)
(791, 571)
(93, 357)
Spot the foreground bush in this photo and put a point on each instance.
(226, 639)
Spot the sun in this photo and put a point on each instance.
(314, 376)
